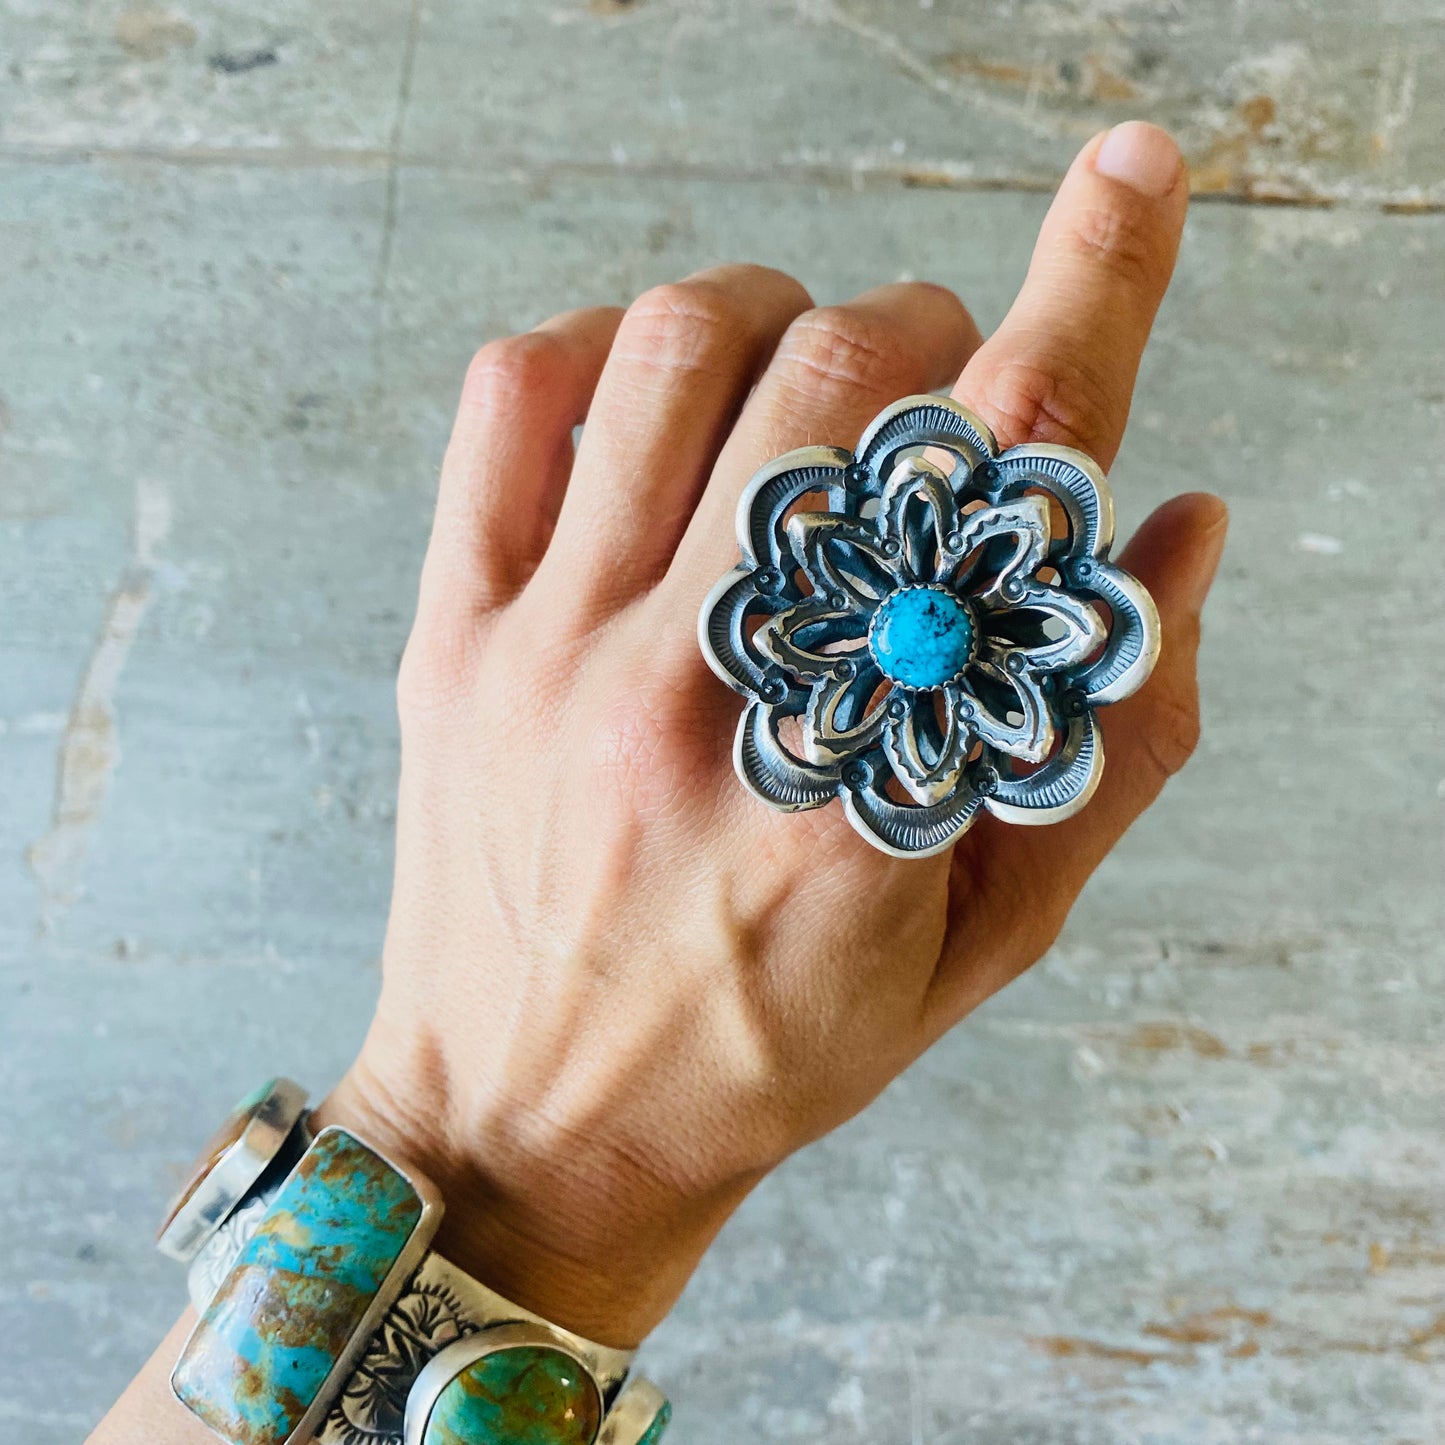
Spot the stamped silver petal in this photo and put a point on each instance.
(721, 633)
(928, 773)
(906, 830)
(1059, 789)
(1026, 521)
(1076, 480)
(1133, 646)
(1031, 737)
(774, 488)
(1019, 628)
(934, 421)
(838, 722)
(773, 773)
(777, 638)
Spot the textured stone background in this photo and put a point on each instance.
(1186, 1183)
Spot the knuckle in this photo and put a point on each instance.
(847, 351)
(513, 367)
(434, 674)
(1061, 400)
(1121, 242)
(679, 326)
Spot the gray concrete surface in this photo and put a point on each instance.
(1185, 1183)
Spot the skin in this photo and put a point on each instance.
(617, 989)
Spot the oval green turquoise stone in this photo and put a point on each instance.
(921, 636)
(529, 1395)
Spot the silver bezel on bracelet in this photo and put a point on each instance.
(447, 1364)
(227, 1169)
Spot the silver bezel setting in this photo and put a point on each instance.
(192, 1221)
(447, 1364)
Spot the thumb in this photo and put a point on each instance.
(1031, 876)
(1150, 736)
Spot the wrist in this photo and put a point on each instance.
(576, 1229)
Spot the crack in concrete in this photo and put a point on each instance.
(511, 166)
(89, 745)
(1026, 116)
(393, 152)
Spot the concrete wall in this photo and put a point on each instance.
(1186, 1182)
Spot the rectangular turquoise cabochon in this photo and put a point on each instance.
(298, 1292)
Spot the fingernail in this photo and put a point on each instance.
(1142, 156)
(1212, 529)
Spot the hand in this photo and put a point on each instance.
(617, 989)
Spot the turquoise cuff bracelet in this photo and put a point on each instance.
(330, 1256)
(325, 1317)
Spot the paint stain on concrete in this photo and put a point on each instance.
(89, 746)
(149, 33)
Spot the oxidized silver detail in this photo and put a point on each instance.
(927, 500)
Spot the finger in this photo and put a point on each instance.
(1061, 367)
(836, 368)
(506, 466)
(1013, 886)
(684, 358)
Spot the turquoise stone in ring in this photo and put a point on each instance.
(527, 1395)
(921, 637)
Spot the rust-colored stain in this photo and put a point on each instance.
(1092, 79)
(1005, 72)
(1072, 1347)
(1414, 207)
(1164, 1036)
(1431, 1334)
(1224, 164)
(1208, 1327)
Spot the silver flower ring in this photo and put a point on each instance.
(925, 627)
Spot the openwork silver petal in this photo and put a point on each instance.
(1037, 630)
(929, 766)
(842, 717)
(1061, 787)
(918, 517)
(1022, 630)
(1024, 728)
(779, 639)
(1023, 525)
(773, 773)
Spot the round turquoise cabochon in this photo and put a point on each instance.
(921, 636)
(527, 1395)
